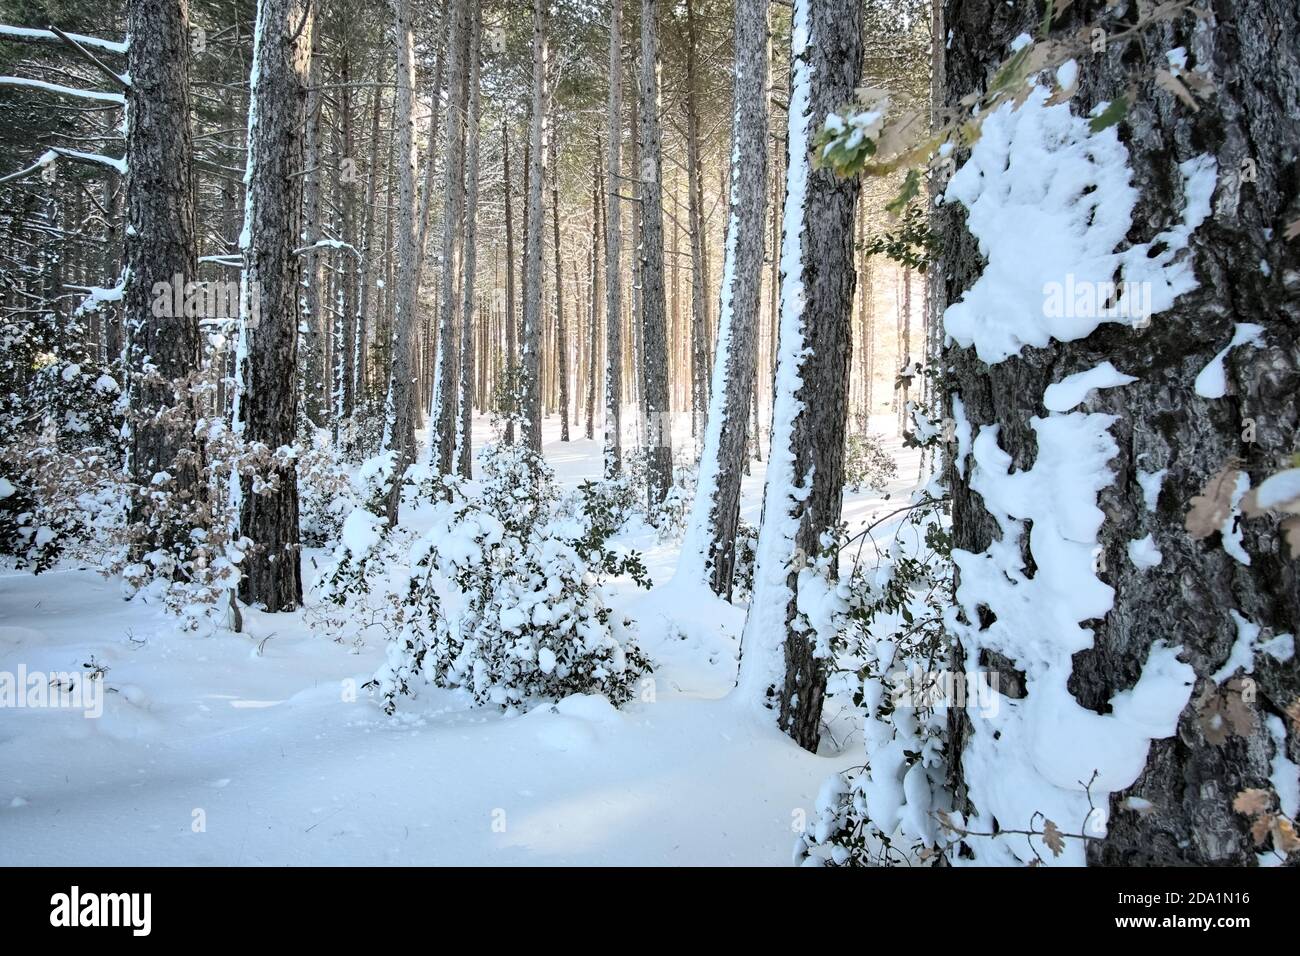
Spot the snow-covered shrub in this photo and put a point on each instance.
(361, 433)
(891, 648)
(61, 459)
(866, 463)
(606, 505)
(325, 496)
(669, 516)
(506, 598)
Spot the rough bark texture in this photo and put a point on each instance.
(699, 345)
(740, 302)
(272, 575)
(828, 276)
(561, 329)
(532, 379)
(160, 247)
(312, 347)
(654, 319)
(468, 302)
(614, 251)
(400, 413)
(443, 416)
(1161, 422)
(512, 327)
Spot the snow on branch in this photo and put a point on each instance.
(48, 158)
(98, 95)
(28, 35)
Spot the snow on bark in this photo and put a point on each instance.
(708, 546)
(762, 665)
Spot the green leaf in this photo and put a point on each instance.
(911, 187)
(1112, 114)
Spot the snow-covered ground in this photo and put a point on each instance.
(262, 747)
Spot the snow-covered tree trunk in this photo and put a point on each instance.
(709, 547)
(654, 364)
(369, 243)
(561, 329)
(468, 303)
(782, 656)
(399, 413)
(1082, 443)
(532, 345)
(160, 248)
(442, 432)
(281, 58)
(699, 344)
(614, 251)
(312, 348)
(345, 356)
(512, 326)
(593, 326)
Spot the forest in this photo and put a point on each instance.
(834, 433)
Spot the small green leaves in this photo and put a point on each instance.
(847, 140)
(911, 187)
(1115, 111)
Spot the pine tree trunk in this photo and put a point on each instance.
(532, 411)
(593, 330)
(614, 252)
(468, 302)
(311, 348)
(709, 548)
(160, 248)
(654, 369)
(561, 330)
(512, 327)
(442, 437)
(1245, 272)
(272, 573)
(399, 416)
(805, 475)
(699, 315)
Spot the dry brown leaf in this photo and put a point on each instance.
(1284, 835)
(1211, 508)
(1172, 84)
(1253, 801)
(1052, 837)
(1293, 715)
(1260, 827)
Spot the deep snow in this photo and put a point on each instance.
(250, 749)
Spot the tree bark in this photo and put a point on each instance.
(709, 549)
(532, 379)
(802, 499)
(654, 367)
(614, 252)
(1243, 271)
(442, 436)
(162, 351)
(272, 573)
(561, 330)
(512, 327)
(468, 302)
(699, 342)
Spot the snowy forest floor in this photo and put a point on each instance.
(250, 736)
